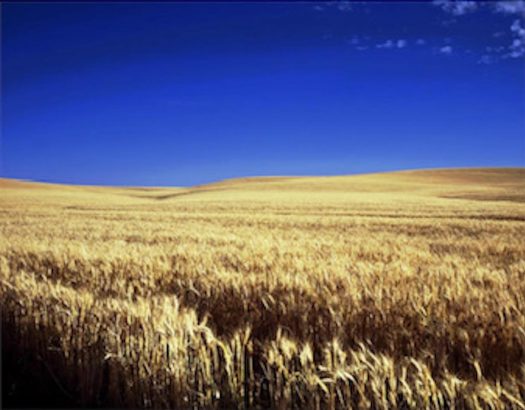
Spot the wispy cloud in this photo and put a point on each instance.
(517, 29)
(354, 40)
(457, 8)
(510, 7)
(446, 50)
(342, 5)
(486, 59)
(516, 49)
(401, 43)
(386, 44)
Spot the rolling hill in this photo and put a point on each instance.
(490, 184)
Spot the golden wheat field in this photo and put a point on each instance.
(400, 290)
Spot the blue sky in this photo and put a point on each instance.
(183, 94)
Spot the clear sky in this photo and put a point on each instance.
(182, 94)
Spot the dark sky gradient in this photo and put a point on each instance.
(182, 94)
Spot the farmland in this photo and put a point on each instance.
(396, 290)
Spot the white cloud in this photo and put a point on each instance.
(344, 5)
(517, 48)
(510, 7)
(517, 29)
(354, 40)
(386, 44)
(458, 8)
(341, 5)
(401, 43)
(486, 59)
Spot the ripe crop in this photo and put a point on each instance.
(401, 290)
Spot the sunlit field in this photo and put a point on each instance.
(401, 290)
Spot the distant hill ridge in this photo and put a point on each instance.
(467, 183)
(437, 175)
